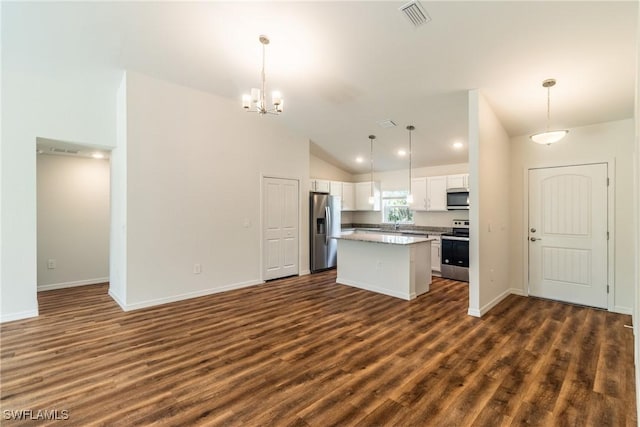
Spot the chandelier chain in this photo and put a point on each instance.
(548, 106)
(371, 138)
(264, 77)
(410, 161)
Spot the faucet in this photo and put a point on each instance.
(396, 226)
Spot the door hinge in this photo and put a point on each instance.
(607, 235)
(607, 182)
(607, 288)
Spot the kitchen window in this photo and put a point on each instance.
(395, 208)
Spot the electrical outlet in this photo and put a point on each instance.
(197, 269)
(51, 264)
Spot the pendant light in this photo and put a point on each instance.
(549, 136)
(372, 199)
(410, 128)
(256, 102)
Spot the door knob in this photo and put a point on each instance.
(533, 239)
(533, 230)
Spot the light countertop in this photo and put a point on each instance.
(394, 231)
(391, 239)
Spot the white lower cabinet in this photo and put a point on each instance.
(436, 246)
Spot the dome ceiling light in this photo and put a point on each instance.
(548, 137)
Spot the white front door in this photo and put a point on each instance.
(280, 206)
(567, 234)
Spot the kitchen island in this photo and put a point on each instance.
(398, 266)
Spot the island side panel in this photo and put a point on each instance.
(377, 267)
(420, 268)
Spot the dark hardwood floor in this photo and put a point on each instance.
(306, 351)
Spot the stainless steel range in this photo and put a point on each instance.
(455, 252)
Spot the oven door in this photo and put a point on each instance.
(455, 258)
(455, 251)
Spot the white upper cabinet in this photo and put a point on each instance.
(419, 191)
(430, 193)
(344, 190)
(335, 188)
(363, 192)
(320, 186)
(458, 181)
(348, 196)
(436, 193)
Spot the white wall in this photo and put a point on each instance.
(1, 177)
(605, 142)
(118, 231)
(399, 180)
(78, 107)
(489, 215)
(321, 169)
(194, 167)
(73, 220)
(636, 299)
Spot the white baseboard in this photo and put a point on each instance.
(474, 312)
(181, 297)
(516, 291)
(636, 346)
(63, 285)
(484, 309)
(117, 299)
(304, 273)
(18, 316)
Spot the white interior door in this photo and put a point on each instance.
(567, 235)
(280, 206)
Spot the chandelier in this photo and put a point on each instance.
(256, 102)
(548, 137)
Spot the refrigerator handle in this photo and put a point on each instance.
(327, 212)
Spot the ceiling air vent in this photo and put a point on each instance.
(63, 150)
(387, 124)
(415, 13)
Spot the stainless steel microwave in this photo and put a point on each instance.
(457, 198)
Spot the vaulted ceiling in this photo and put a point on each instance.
(344, 66)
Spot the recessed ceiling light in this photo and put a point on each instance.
(402, 152)
(97, 155)
(359, 159)
(458, 145)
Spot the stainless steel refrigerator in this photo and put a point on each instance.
(324, 213)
